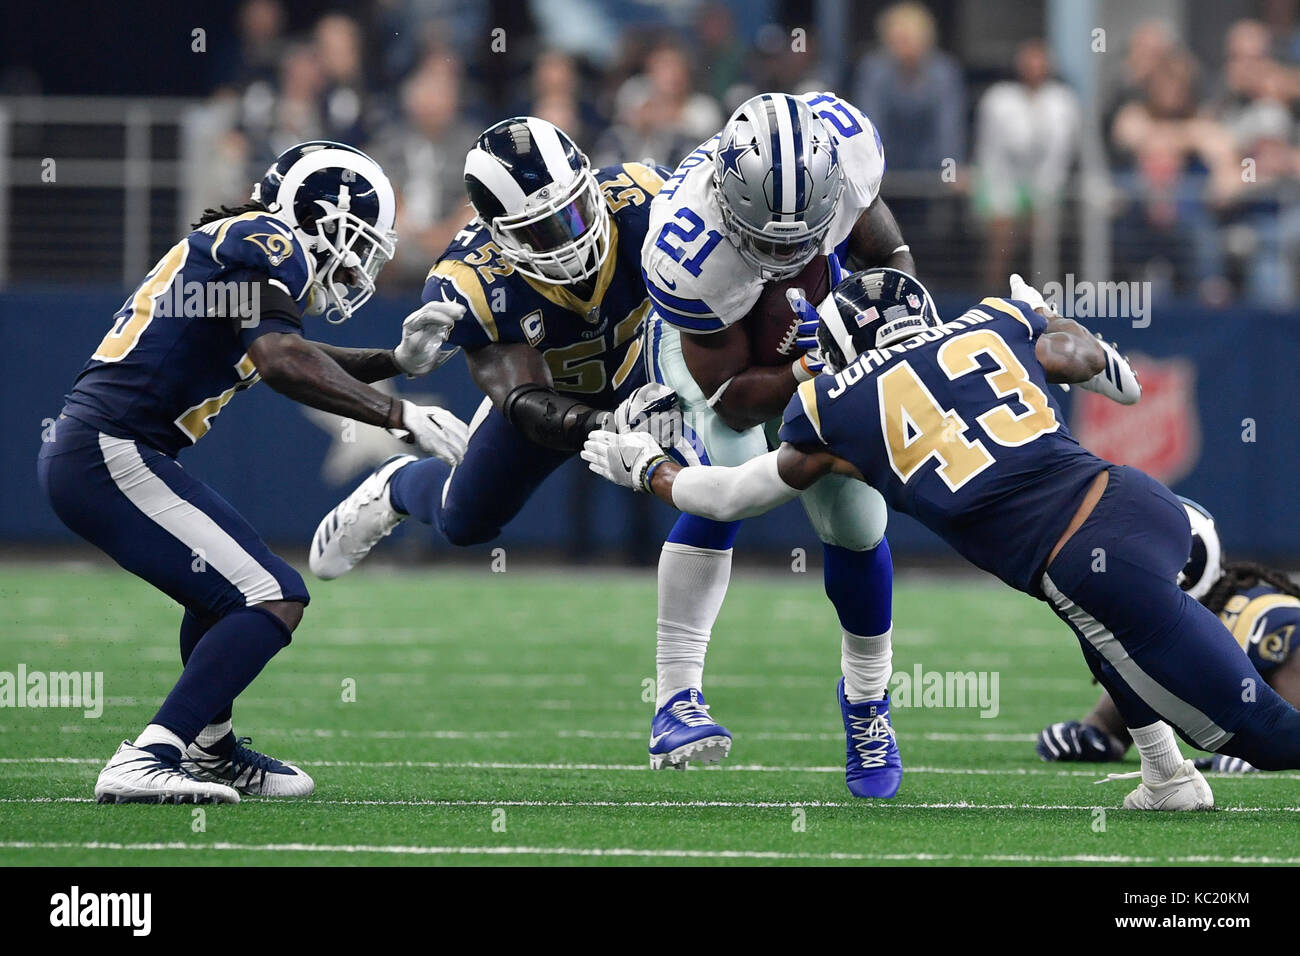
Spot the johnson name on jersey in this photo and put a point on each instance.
(592, 346)
(178, 348)
(957, 427)
(697, 279)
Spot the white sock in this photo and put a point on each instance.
(1158, 748)
(213, 733)
(158, 734)
(867, 663)
(692, 583)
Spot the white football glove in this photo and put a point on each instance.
(651, 409)
(433, 430)
(623, 459)
(423, 333)
(1022, 290)
(1117, 381)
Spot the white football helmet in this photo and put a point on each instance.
(535, 191)
(1204, 565)
(341, 206)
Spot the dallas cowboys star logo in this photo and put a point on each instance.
(820, 145)
(730, 156)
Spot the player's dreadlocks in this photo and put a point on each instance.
(225, 212)
(1240, 575)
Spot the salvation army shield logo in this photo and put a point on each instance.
(1160, 435)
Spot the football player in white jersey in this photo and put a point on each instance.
(788, 179)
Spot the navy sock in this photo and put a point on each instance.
(700, 532)
(416, 489)
(233, 652)
(164, 752)
(192, 630)
(861, 586)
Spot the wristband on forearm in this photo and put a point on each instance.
(548, 418)
(648, 475)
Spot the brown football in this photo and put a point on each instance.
(771, 322)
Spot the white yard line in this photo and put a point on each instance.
(679, 804)
(634, 852)
(641, 767)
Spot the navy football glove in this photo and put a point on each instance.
(1074, 741)
(1222, 763)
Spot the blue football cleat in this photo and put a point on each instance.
(683, 732)
(873, 766)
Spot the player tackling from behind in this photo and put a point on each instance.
(953, 423)
(312, 240)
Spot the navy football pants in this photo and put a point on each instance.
(1160, 653)
(472, 502)
(157, 521)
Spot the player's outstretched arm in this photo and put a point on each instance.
(518, 380)
(1070, 354)
(723, 494)
(301, 370)
(365, 365)
(305, 372)
(876, 241)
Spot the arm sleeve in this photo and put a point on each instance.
(548, 418)
(275, 311)
(728, 494)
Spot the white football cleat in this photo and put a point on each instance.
(248, 771)
(134, 775)
(356, 524)
(1185, 790)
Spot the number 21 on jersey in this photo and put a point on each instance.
(917, 428)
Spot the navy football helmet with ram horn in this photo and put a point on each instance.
(872, 309)
(1204, 564)
(341, 207)
(536, 193)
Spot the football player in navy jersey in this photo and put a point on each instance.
(953, 423)
(1260, 607)
(543, 292)
(222, 309)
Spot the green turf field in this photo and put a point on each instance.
(499, 719)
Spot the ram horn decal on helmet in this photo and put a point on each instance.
(536, 193)
(1204, 564)
(872, 309)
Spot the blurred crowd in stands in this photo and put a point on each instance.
(1202, 160)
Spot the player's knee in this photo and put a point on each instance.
(288, 612)
(462, 528)
(1270, 737)
(851, 516)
